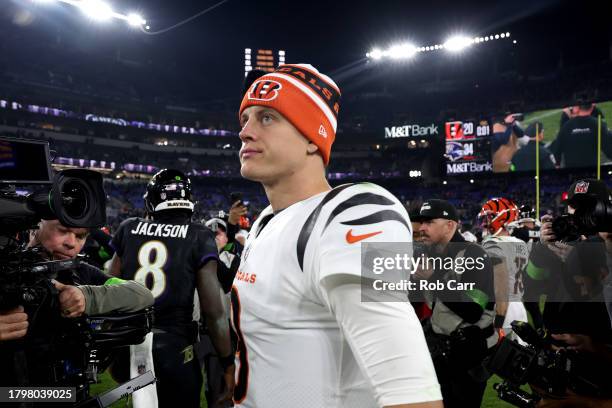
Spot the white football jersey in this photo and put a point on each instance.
(514, 252)
(292, 352)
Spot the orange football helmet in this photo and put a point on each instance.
(497, 213)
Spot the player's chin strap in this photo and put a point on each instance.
(141, 361)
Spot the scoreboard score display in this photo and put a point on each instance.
(262, 59)
(468, 147)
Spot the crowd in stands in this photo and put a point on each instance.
(125, 196)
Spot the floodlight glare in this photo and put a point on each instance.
(458, 43)
(507, 34)
(401, 51)
(135, 20)
(375, 54)
(497, 36)
(96, 9)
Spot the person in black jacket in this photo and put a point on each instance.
(573, 275)
(576, 144)
(176, 258)
(525, 158)
(462, 318)
(86, 290)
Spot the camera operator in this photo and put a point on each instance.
(461, 331)
(91, 292)
(579, 264)
(87, 291)
(573, 274)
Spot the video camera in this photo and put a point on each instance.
(74, 350)
(588, 219)
(537, 364)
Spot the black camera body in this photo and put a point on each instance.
(55, 351)
(589, 219)
(552, 371)
(74, 351)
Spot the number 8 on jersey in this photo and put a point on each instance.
(152, 268)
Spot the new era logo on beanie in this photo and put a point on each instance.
(322, 131)
(307, 98)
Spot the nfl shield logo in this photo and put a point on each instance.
(581, 187)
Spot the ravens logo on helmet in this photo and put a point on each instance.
(169, 189)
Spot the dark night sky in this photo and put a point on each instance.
(328, 34)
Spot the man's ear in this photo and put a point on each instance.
(312, 148)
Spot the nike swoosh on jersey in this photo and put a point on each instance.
(351, 239)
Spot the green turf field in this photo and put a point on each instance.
(107, 383)
(551, 119)
(490, 399)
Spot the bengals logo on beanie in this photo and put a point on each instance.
(265, 90)
(305, 97)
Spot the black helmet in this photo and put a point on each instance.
(169, 190)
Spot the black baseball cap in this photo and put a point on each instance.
(435, 208)
(587, 189)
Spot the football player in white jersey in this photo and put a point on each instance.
(509, 256)
(305, 339)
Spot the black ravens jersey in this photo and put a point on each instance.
(165, 255)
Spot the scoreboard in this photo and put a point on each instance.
(468, 147)
(262, 59)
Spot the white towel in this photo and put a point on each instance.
(141, 361)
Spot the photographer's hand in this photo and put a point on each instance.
(72, 300)
(579, 342)
(585, 344)
(236, 211)
(13, 324)
(546, 232)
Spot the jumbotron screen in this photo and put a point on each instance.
(566, 137)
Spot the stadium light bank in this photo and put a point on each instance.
(454, 44)
(99, 10)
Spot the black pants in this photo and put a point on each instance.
(178, 371)
(459, 388)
